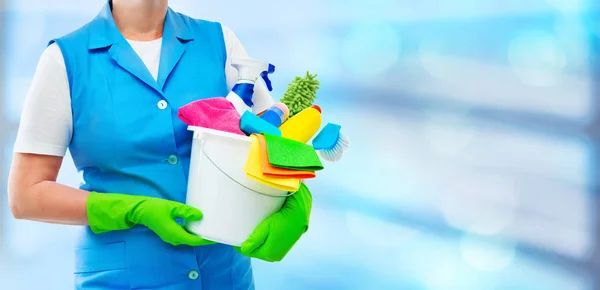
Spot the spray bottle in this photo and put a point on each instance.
(249, 70)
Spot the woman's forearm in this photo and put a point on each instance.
(56, 203)
(34, 193)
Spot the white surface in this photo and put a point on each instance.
(230, 211)
(46, 123)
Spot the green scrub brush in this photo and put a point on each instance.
(301, 93)
(330, 143)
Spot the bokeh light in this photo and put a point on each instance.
(17, 88)
(448, 134)
(327, 233)
(445, 275)
(29, 31)
(537, 58)
(89, 7)
(594, 26)
(370, 49)
(378, 233)
(26, 238)
(478, 202)
(311, 51)
(485, 255)
(569, 5)
(571, 33)
(432, 59)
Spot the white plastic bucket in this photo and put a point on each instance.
(231, 203)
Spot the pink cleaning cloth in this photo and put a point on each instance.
(213, 113)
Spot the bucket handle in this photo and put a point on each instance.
(233, 179)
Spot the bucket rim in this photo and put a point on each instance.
(219, 133)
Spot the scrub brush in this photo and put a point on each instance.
(301, 93)
(330, 143)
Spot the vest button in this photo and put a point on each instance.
(162, 104)
(193, 275)
(173, 159)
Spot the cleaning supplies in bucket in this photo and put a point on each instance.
(249, 70)
(243, 166)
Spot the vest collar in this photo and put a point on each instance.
(105, 32)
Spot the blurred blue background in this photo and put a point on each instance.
(474, 128)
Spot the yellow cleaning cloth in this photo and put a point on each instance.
(253, 170)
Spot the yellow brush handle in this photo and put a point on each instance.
(302, 126)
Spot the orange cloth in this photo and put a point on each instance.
(269, 170)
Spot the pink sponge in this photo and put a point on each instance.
(213, 113)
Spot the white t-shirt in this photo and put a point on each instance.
(46, 123)
(149, 52)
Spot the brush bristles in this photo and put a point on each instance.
(335, 154)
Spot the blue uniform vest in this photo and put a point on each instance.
(128, 139)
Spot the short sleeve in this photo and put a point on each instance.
(262, 98)
(46, 120)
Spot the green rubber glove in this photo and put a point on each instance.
(112, 212)
(275, 236)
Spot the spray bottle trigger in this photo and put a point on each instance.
(265, 76)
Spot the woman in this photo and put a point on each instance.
(109, 92)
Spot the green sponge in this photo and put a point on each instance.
(301, 93)
(290, 154)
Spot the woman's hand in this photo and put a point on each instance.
(275, 237)
(111, 212)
